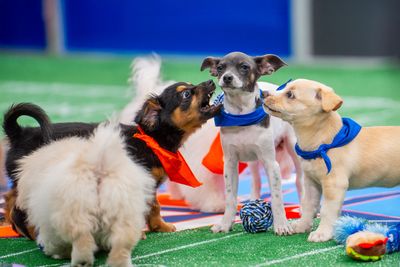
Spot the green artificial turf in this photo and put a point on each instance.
(200, 247)
(371, 94)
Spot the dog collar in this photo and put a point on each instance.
(282, 86)
(225, 119)
(347, 133)
(174, 164)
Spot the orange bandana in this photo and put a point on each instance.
(214, 160)
(173, 163)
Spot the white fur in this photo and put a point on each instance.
(236, 82)
(210, 197)
(84, 193)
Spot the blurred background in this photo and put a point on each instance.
(73, 56)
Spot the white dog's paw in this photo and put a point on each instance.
(320, 236)
(221, 228)
(300, 227)
(283, 228)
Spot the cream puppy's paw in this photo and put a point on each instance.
(301, 226)
(221, 228)
(320, 236)
(283, 229)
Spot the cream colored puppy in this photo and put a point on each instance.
(370, 159)
(84, 194)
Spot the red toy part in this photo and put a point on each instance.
(376, 243)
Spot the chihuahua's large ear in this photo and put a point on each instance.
(329, 100)
(268, 64)
(210, 62)
(149, 115)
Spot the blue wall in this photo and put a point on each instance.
(21, 24)
(174, 26)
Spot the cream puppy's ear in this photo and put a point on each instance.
(329, 100)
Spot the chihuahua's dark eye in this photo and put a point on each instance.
(186, 94)
(290, 95)
(220, 68)
(244, 67)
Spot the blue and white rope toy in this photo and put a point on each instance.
(256, 216)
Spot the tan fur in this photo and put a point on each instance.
(188, 120)
(371, 159)
(3, 181)
(181, 88)
(155, 222)
(158, 174)
(10, 197)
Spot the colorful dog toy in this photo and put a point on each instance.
(256, 216)
(366, 241)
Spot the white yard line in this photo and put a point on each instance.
(167, 250)
(318, 251)
(63, 89)
(186, 246)
(17, 253)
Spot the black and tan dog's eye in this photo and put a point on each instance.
(186, 94)
(290, 95)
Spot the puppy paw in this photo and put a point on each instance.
(163, 227)
(143, 237)
(120, 262)
(167, 228)
(300, 227)
(221, 228)
(283, 229)
(81, 264)
(320, 236)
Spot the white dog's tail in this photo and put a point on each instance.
(145, 79)
(105, 146)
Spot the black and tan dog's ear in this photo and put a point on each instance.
(210, 62)
(329, 100)
(268, 64)
(149, 115)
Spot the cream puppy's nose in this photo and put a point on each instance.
(265, 94)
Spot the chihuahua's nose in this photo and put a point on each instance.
(265, 94)
(209, 83)
(228, 78)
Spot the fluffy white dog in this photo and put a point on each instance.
(84, 194)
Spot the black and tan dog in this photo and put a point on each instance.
(168, 118)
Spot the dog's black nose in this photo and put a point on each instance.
(228, 78)
(265, 94)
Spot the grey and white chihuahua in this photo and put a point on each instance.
(237, 75)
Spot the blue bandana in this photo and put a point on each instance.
(225, 119)
(393, 235)
(281, 87)
(347, 133)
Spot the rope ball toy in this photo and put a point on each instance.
(256, 216)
